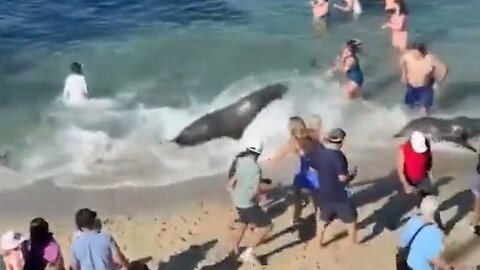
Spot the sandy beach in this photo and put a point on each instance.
(184, 226)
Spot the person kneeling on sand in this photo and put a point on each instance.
(423, 240)
(334, 177)
(246, 184)
(93, 249)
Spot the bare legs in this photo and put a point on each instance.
(352, 90)
(298, 201)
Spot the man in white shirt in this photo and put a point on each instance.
(75, 89)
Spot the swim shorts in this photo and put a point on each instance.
(307, 180)
(419, 96)
(254, 215)
(345, 211)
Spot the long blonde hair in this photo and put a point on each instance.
(299, 133)
(314, 125)
(297, 127)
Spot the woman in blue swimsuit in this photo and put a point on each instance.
(305, 179)
(349, 64)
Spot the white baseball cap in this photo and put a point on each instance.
(255, 146)
(12, 240)
(418, 142)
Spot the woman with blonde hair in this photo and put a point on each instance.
(314, 126)
(300, 142)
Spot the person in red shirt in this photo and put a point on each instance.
(414, 163)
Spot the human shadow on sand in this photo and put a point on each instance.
(188, 259)
(306, 230)
(389, 216)
(462, 201)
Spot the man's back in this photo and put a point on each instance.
(93, 251)
(330, 164)
(247, 176)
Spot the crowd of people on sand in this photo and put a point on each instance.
(91, 248)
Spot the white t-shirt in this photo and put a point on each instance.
(75, 89)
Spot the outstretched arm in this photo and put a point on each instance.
(282, 152)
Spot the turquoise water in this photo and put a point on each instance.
(153, 67)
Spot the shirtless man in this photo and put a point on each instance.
(422, 72)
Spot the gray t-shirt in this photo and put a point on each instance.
(247, 176)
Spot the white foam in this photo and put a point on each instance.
(87, 150)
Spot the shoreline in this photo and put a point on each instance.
(186, 223)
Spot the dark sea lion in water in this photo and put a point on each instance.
(457, 130)
(232, 120)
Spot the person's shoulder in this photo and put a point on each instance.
(434, 231)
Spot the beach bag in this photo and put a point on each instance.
(402, 253)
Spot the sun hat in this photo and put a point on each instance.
(12, 240)
(418, 142)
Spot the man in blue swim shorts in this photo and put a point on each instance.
(422, 72)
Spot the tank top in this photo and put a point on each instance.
(416, 165)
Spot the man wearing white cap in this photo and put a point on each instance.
(245, 186)
(414, 162)
(13, 249)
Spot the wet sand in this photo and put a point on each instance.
(184, 226)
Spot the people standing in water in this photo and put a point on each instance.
(334, 175)
(398, 25)
(422, 72)
(75, 90)
(320, 9)
(245, 188)
(349, 63)
(306, 178)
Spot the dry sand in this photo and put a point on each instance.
(184, 226)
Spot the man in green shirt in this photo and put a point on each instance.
(244, 186)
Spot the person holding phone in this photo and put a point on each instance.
(333, 174)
